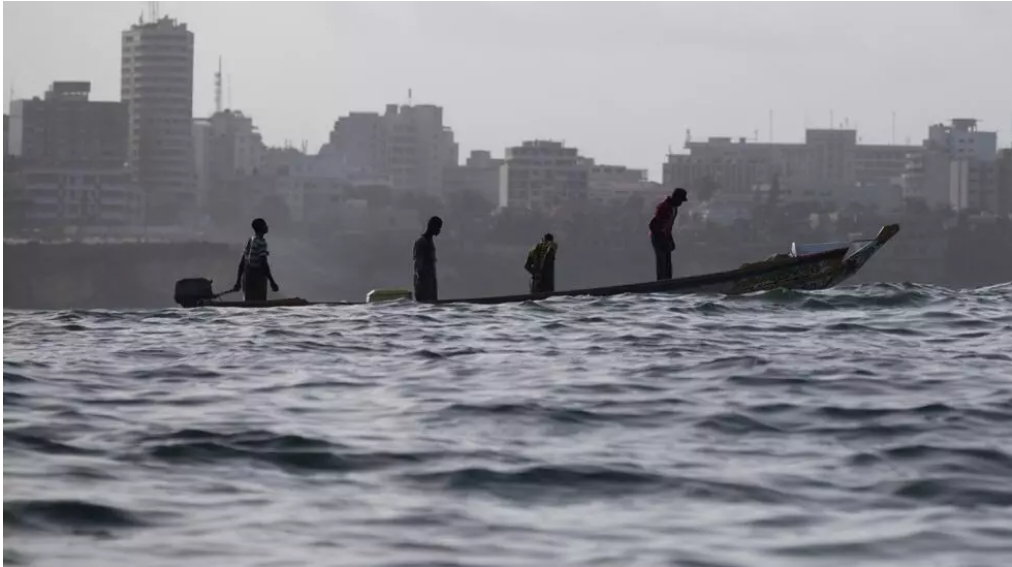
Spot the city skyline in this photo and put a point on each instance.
(607, 95)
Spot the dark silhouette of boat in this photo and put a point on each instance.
(807, 267)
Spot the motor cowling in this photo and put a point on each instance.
(193, 292)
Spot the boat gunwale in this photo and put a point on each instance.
(662, 286)
(846, 262)
(640, 287)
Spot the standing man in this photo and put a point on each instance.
(426, 289)
(541, 265)
(660, 231)
(254, 272)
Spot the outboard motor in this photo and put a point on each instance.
(193, 292)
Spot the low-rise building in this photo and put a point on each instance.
(956, 169)
(962, 140)
(542, 175)
(319, 190)
(1003, 196)
(611, 186)
(47, 197)
(735, 166)
(881, 163)
(478, 176)
(827, 158)
(71, 162)
(66, 129)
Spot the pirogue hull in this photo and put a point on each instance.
(808, 272)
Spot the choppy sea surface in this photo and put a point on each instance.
(866, 425)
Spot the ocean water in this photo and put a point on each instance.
(866, 425)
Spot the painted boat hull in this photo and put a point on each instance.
(812, 272)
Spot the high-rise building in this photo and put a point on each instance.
(157, 86)
(65, 129)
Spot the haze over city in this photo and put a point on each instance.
(349, 125)
(526, 283)
(622, 82)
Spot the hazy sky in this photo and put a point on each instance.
(621, 81)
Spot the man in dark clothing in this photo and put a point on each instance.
(254, 271)
(660, 231)
(426, 289)
(541, 265)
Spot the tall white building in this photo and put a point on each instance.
(157, 85)
(408, 144)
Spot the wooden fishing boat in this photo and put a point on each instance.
(805, 267)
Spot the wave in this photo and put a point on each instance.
(14, 557)
(174, 372)
(592, 482)
(448, 353)
(15, 378)
(880, 295)
(293, 452)
(74, 516)
(736, 423)
(978, 461)
(846, 424)
(511, 411)
(35, 440)
(968, 491)
(814, 411)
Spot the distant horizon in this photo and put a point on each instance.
(505, 73)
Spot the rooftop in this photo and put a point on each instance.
(163, 23)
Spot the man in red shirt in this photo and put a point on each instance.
(660, 231)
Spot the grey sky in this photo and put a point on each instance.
(622, 81)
